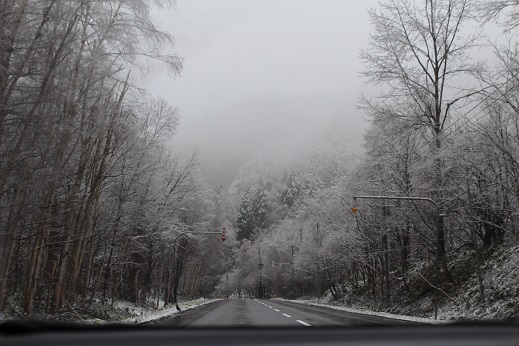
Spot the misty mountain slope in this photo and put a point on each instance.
(265, 134)
(327, 147)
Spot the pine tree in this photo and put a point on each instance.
(291, 189)
(245, 218)
(259, 205)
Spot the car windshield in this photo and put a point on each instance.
(259, 163)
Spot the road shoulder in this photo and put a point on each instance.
(403, 318)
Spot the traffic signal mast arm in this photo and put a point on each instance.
(194, 232)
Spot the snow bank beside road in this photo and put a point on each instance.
(143, 314)
(368, 312)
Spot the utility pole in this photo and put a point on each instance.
(293, 275)
(227, 284)
(260, 267)
(318, 286)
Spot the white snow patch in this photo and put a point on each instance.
(143, 314)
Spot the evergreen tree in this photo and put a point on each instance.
(291, 188)
(259, 205)
(245, 218)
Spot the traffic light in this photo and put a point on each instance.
(223, 234)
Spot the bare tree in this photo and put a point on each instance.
(419, 54)
(506, 12)
(68, 120)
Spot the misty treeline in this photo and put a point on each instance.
(445, 126)
(91, 195)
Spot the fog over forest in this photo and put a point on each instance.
(263, 79)
(275, 130)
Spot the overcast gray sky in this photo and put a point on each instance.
(268, 59)
(238, 48)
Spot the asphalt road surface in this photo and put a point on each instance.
(269, 313)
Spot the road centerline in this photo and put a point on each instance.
(286, 315)
(304, 323)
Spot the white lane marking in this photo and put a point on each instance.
(270, 307)
(304, 323)
(286, 315)
(276, 310)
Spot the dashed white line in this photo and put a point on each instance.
(304, 323)
(276, 310)
(270, 307)
(286, 315)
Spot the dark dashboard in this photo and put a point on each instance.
(445, 335)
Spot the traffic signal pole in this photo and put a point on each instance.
(260, 268)
(439, 228)
(293, 275)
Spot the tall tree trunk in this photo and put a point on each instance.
(34, 267)
(386, 265)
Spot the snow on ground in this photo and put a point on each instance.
(147, 314)
(501, 282)
(323, 303)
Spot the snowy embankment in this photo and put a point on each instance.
(463, 301)
(323, 303)
(145, 314)
(501, 291)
